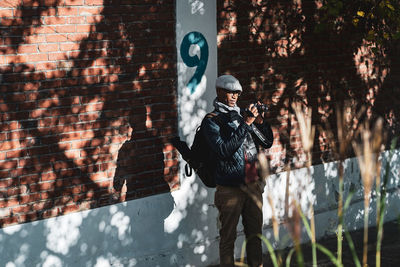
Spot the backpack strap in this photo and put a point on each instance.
(211, 115)
(258, 133)
(214, 115)
(260, 136)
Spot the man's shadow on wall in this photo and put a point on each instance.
(140, 173)
(140, 162)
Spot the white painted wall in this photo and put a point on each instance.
(195, 16)
(179, 228)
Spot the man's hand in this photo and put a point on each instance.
(251, 114)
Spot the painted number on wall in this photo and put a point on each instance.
(195, 38)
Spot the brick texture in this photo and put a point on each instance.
(273, 47)
(88, 94)
(87, 102)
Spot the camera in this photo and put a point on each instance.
(260, 108)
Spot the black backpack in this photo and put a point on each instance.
(199, 157)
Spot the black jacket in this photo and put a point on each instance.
(226, 140)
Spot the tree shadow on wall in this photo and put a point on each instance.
(44, 178)
(73, 116)
(389, 98)
(278, 51)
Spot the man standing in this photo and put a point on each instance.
(234, 137)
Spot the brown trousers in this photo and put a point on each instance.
(233, 202)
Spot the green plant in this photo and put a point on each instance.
(368, 150)
(377, 21)
(347, 234)
(269, 247)
(381, 204)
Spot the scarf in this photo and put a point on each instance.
(223, 108)
(234, 112)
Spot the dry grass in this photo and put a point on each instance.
(367, 153)
(367, 143)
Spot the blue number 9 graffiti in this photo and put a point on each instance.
(195, 38)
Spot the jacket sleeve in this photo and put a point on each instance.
(266, 130)
(224, 148)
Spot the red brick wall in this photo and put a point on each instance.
(88, 93)
(87, 96)
(276, 50)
